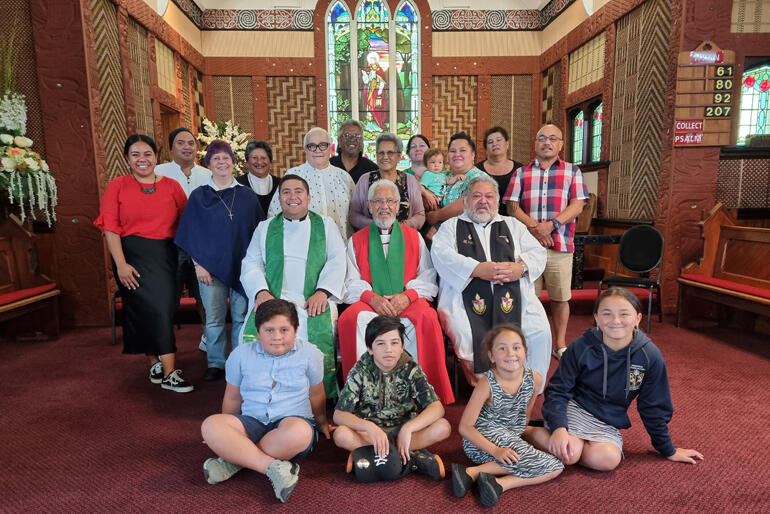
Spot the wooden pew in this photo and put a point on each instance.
(734, 270)
(28, 299)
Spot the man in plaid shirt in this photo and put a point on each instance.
(550, 193)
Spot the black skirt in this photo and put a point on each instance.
(148, 310)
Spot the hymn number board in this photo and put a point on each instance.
(705, 97)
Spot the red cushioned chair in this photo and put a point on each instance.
(641, 251)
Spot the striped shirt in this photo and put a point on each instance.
(544, 193)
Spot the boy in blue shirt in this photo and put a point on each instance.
(273, 403)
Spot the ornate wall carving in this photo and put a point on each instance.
(140, 66)
(233, 101)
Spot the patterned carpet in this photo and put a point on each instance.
(84, 430)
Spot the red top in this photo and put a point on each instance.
(126, 211)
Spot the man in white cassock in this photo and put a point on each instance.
(488, 264)
(332, 187)
(390, 273)
(298, 256)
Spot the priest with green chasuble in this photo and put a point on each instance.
(298, 256)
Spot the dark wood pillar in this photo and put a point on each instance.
(67, 100)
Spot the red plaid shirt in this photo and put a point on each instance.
(543, 194)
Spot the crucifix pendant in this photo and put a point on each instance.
(231, 215)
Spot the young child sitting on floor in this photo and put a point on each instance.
(274, 392)
(494, 420)
(387, 413)
(435, 178)
(600, 374)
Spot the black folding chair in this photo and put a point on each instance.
(641, 251)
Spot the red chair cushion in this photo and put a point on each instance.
(15, 296)
(729, 284)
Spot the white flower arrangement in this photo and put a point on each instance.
(23, 173)
(230, 134)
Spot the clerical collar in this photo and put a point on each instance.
(385, 231)
(303, 218)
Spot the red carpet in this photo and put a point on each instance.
(84, 430)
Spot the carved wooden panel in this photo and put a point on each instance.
(62, 72)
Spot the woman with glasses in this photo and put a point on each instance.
(410, 209)
(330, 186)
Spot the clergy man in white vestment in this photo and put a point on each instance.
(390, 273)
(488, 265)
(331, 187)
(298, 256)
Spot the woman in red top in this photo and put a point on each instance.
(138, 217)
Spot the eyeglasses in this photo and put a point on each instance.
(390, 202)
(543, 139)
(351, 136)
(320, 146)
(389, 153)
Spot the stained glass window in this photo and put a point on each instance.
(387, 51)
(577, 138)
(596, 134)
(755, 100)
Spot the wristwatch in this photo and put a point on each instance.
(556, 223)
(526, 269)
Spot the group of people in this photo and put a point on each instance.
(282, 255)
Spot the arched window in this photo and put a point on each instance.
(385, 51)
(596, 133)
(577, 138)
(755, 103)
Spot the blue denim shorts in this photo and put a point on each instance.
(256, 430)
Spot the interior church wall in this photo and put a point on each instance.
(274, 83)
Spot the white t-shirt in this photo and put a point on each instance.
(199, 175)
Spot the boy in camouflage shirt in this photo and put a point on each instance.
(388, 413)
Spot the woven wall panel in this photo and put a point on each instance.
(454, 107)
(140, 72)
(650, 103)
(551, 107)
(24, 66)
(511, 107)
(234, 100)
(197, 92)
(164, 64)
(111, 94)
(750, 16)
(744, 183)
(641, 54)
(586, 64)
(623, 114)
(291, 112)
(186, 100)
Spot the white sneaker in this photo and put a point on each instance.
(156, 373)
(558, 352)
(218, 470)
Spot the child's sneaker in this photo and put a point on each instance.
(427, 463)
(461, 480)
(489, 489)
(283, 476)
(156, 373)
(218, 470)
(174, 382)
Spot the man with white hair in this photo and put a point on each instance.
(390, 273)
(330, 187)
(488, 264)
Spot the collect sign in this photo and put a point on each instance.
(685, 125)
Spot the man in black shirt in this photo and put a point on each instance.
(350, 145)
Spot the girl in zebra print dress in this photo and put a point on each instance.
(494, 420)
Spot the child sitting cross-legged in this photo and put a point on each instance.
(387, 412)
(273, 403)
(495, 419)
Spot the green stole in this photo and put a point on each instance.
(319, 328)
(387, 274)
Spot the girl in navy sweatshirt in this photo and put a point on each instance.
(600, 374)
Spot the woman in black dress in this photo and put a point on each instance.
(497, 164)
